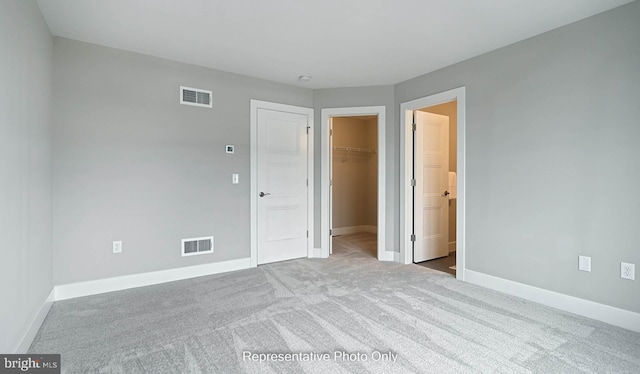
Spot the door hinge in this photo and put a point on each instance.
(307, 233)
(413, 182)
(413, 237)
(307, 182)
(308, 127)
(413, 127)
(330, 182)
(330, 132)
(330, 232)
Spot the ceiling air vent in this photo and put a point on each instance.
(197, 246)
(196, 96)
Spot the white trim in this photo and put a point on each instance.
(326, 113)
(354, 229)
(452, 246)
(210, 105)
(317, 253)
(406, 149)
(70, 291)
(198, 252)
(253, 160)
(30, 334)
(601, 312)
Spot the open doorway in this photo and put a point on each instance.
(436, 192)
(354, 186)
(360, 149)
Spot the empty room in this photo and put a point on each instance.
(209, 186)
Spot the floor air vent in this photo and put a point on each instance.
(195, 96)
(197, 246)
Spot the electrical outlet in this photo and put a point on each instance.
(584, 263)
(117, 247)
(627, 271)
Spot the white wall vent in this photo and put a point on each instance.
(196, 96)
(197, 246)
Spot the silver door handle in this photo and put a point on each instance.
(262, 194)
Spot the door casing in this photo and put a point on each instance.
(406, 172)
(253, 149)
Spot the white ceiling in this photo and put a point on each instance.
(340, 43)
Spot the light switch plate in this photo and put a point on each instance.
(235, 179)
(584, 263)
(117, 247)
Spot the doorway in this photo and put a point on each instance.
(353, 179)
(353, 156)
(426, 200)
(281, 151)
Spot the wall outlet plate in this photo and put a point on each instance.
(117, 247)
(627, 271)
(229, 148)
(584, 263)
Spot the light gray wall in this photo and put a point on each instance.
(25, 169)
(354, 97)
(132, 164)
(553, 140)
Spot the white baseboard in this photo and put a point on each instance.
(354, 229)
(69, 291)
(31, 332)
(387, 256)
(601, 312)
(452, 246)
(316, 253)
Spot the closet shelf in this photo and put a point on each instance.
(351, 149)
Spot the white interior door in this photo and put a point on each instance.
(330, 185)
(431, 200)
(282, 205)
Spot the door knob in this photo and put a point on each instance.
(262, 194)
(446, 193)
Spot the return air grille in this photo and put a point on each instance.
(196, 97)
(197, 246)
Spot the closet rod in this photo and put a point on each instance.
(351, 149)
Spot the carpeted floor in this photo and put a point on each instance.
(349, 303)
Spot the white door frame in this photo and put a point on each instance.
(253, 149)
(326, 113)
(406, 166)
